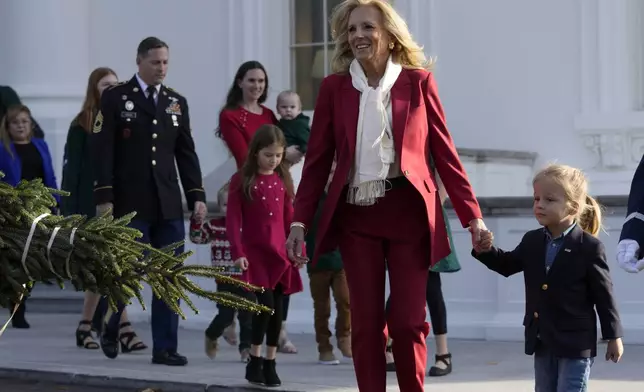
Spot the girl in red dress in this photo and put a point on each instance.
(260, 211)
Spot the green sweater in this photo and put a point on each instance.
(296, 131)
(78, 174)
(331, 261)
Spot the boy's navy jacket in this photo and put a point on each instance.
(560, 304)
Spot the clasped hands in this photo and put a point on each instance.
(482, 238)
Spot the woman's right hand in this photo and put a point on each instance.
(295, 246)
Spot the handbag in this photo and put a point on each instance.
(450, 263)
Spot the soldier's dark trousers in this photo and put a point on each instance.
(165, 322)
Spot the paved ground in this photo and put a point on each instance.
(47, 353)
(13, 385)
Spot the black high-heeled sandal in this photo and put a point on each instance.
(436, 371)
(126, 338)
(84, 338)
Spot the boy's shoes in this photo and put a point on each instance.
(328, 358)
(245, 355)
(255, 371)
(344, 344)
(271, 379)
(211, 346)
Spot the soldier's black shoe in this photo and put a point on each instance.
(271, 379)
(169, 359)
(254, 371)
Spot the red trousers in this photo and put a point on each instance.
(391, 234)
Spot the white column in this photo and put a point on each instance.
(46, 61)
(422, 20)
(614, 70)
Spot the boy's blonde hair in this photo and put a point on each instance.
(575, 186)
(223, 191)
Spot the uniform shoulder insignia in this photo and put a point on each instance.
(98, 122)
(118, 84)
(173, 91)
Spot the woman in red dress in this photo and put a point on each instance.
(244, 111)
(240, 118)
(380, 113)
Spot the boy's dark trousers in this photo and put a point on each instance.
(226, 315)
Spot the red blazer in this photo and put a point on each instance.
(419, 131)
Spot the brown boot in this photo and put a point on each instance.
(344, 344)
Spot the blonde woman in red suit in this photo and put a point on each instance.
(381, 114)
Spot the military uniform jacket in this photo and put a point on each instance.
(135, 146)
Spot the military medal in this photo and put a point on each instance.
(129, 105)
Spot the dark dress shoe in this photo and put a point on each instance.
(169, 359)
(109, 342)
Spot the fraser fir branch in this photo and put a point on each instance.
(105, 257)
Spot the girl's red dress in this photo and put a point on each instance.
(257, 230)
(238, 126)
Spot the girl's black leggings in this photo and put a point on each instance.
(435, 303)
(266, 324)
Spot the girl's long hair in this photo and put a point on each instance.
(13, 112)
(236, 95)
(92, 98)
(266, 136)
(575, 187)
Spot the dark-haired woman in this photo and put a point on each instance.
(244, 111)
(239, 119)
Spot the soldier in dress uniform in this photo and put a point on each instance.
(631, 240)
(142, 127)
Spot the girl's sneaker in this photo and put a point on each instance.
(328, 358)
(271, 379)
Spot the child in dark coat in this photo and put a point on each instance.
(294, 124)
(328, 275)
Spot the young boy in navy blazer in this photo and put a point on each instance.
(566, 279)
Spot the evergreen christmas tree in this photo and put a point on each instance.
(101, 255)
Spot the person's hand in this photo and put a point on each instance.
(614, 350)
(295, 246)
(627, 254)
(242, 263)
(477, 226)
(293, 154)
(200, 211)
(487, 240)
(103, 208)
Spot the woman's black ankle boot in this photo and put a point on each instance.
(254, 371)
(270, 374)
